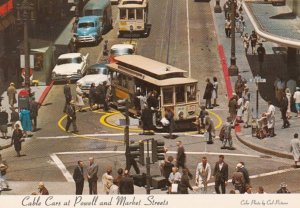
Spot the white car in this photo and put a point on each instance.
(97, 74)
(119, 50)
(70, 66)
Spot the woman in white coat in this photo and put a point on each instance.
(203, 174)
(79, 98)
(295, 148)
(271, 119)
(246, 112)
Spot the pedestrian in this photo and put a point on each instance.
(208, 94)
(11, 94)
(297, 101)
(238, 180)
(246, 40)
(131, 161)
(245, 172)
(261, 52)
(209, 127)
(3, 122)
(261, 190)
(126, 184)
(79, 98)
(271, 119)
(71, 116)
(92, 177)
(17, 139)
(114, 188)
(226, 8)
(118, 178)
(227, 27)
(181, 156)
(107, 180)
(136, 101)
(283, 108)
(152, 102)
(253, 41)
(100, 95)
(283, 189)
(107, 95)
(232, 105)
(240, 108)
(200, 120)
(221, 175)
(227, 134)
(246, 94)
(14, 117)
(42, 189)
(34, 109)
(246, 112)
(146, 119)
(239, 85)
(67, 93)
(241, 25)
(248, 189)
(78, 177)
(174, 180)
(170, 118)
(295, 149)
(289, 98)
(167, 169)
(92, 96)
(279, 88)
(203, 174)
(3, 172)
(215, 91)
(184, 184)
(25, 121)
(291, 84)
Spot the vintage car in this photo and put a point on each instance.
(97, 73)
(70, 66)
(88, 30)
(119, 50)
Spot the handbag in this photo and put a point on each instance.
(174, 188)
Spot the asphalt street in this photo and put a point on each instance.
(182, 35)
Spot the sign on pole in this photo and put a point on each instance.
(31, 62)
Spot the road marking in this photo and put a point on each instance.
(188, 37)
(69, 178)
(218, 118)
(62, 167)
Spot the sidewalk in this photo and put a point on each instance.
(274, 65)
(39, 92)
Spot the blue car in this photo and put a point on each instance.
(88, 30)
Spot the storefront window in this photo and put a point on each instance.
(180, 94)
(191, 93)
(168, 95)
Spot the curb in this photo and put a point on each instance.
(263, 149)
(45, 93)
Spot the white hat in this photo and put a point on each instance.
(239, 165)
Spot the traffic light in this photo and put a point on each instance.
(136, 150)
(158, 150)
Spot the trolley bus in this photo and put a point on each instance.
(133, 16)
(174, 91)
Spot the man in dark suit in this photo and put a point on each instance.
(92, 172)
(78, 177)
(126, 184)
(181, 157)
(221, 175)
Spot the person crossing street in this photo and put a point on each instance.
(71, 116)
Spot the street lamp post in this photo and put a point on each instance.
(25, 13)
(217, 8)
(233, 69)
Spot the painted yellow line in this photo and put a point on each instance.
(218, 118)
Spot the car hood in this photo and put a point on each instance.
(86, 31)
(93, 78)
(67, 68)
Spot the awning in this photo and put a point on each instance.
(6, 21)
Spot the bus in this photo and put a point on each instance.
(173, 90)
(101, 9)
(133, 16)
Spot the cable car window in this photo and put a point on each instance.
(191, 93)
(168, 95)
(131, 13)
(139, 14)
(180, 98)
(123, 14)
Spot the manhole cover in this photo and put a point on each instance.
(265, 156)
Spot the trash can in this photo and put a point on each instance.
(23, 99)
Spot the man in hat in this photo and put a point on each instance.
(227, 134)
(283, 189)
(71, 116)
(238, 179)
(295, 148)
(11, 94)
(67, 93)
(261, 52)
(3, 122)
(42, 189)
(34, 108)
(297, 101)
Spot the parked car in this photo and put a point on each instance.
(70, 66)
(119, 50)
(88, 30)
(97, 74)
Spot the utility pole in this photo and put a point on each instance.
(257, 80)
(25, 13)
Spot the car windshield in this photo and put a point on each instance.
(86, 25)
(97, 71)
(121, 51)
(76, 60)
